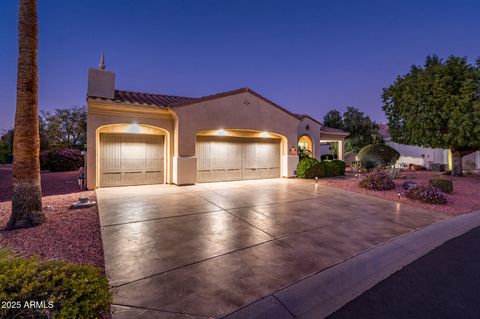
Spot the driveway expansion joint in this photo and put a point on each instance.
(162, 310)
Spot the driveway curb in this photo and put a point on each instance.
(322, 293)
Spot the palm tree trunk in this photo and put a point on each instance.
(27, 192)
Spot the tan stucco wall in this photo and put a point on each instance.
(182, 124)
(313, 132)
(230, 113)
(115, 118)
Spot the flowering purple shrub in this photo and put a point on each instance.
(61, 160)
(378, 181)
(427, 194)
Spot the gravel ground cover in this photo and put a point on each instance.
(72, 235)
(464, 199)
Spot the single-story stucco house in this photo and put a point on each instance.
(424, 156)
(141, 138)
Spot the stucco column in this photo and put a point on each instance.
(341, 150)
(184, 164)
(91, 159)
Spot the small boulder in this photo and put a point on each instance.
(409, 185)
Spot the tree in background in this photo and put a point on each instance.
(6, 147)
(333, 119)
(27, 192)
(64, 128)
(363, 131)
(438, 106)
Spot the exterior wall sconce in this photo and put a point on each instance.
(293, 150)
(316, 180)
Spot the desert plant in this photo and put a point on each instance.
(310, 168)
(385, 154)
(67, 290)
(369, 163)
(378, 181)
(443, 184)
(61, 160)
(427, 194)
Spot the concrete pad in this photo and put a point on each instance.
(292, 217)
(219, 285)
(137, 250)
(210, 249)
(131, 209)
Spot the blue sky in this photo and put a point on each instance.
(308, 56)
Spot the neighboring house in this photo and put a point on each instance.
(141, 138)
(410, 154)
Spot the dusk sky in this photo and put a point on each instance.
(308, 56)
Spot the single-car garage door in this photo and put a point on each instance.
(131, 159)
(230, 158)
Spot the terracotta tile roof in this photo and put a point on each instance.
(330, 130)
(302, 116)
(149, 98)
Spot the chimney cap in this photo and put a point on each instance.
(101, 66)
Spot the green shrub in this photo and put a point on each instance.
(369, 162)
(385, 154)
(331, 169)
(68, 290)
(378, 181)
(340, 165)
(310, 168)
(61, 160)
(445, 185)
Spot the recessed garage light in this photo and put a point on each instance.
(221, 132)
(264, 134)
(134, 128)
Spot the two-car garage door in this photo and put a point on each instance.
(131, 159)
(138, 159)
(230, 158)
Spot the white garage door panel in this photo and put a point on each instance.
(227, 158)
(131, 159)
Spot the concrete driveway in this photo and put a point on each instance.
(206, 250)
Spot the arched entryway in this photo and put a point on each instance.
(305, 143)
